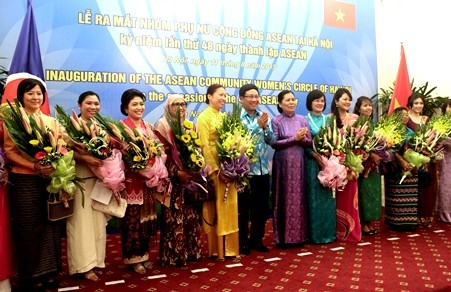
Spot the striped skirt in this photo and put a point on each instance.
(37, 240)
(401, 203)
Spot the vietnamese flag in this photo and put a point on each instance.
(402, 89)
(339, 14)
(26, 62)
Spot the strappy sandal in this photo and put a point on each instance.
(91, 276)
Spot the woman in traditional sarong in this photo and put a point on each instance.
(180, 236)
(6, 249)
(401, 198)
(369, 184)
(86, 229)
(37, 240)
(140, 220)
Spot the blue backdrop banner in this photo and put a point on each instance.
(183, 46)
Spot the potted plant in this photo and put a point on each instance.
(432, 103)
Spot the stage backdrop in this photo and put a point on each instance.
(167, 47)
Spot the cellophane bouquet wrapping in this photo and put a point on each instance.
(330, 143)
(190, 152)
(90, 138)
(44, 145)
(142, 153)
(235, 147)
(360, 142)
(423, 146)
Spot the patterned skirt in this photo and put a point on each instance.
(401, 203)
(36, 239)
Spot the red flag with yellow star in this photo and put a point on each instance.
(339, 14)
(402, 89)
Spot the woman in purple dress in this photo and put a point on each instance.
(288, 180)
(444, 195)
(348, 219)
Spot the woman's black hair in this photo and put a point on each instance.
(334, 108)
(414, 96)
(127, 96)
(314, 95)
(27, 85)
(211, 90)
(85, 94)
(280, 97)
(359, 103)
(445, 105)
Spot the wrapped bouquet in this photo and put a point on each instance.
(330, 143)
(361, 141)
(191, 159)
(92, 139)
(235, 147)
(188, 143)
(423, 147)
(390, 130)
(44, 145)
(142, 153)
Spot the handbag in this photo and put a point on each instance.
(200, 192)
(57, 209)
(113, 208)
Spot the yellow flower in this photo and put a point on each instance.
(193, 157)
(186, 138)
(188, 124)
(153, 150)
(137, 158)
(34, 142)
(48, 149)
(193, 134)
(198, 142)
(200, 162)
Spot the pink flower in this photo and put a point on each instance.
(40, 155)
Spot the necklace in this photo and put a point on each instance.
(313, 122)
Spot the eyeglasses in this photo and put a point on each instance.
(252, 96)
(179, 104)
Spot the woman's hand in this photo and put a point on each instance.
(376, 158)
(184, 176)
(223, 178)
(92, 161)
(300, 134)
(43, 170)
(319, 160)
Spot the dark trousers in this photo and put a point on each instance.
(253, 205)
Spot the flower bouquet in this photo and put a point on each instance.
(330, 143)
(390, 130)
(235, 147)
(360, 141)
(92, 139)
(188, 143)
(190, 153)
(142, 153)
(423, 147)
(442, 125)
(44, 145)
